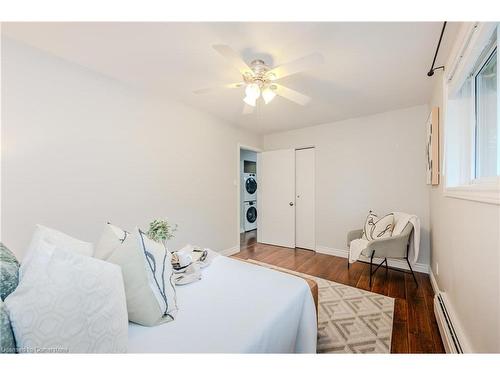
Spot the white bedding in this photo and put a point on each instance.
(237, 307)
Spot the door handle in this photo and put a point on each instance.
(291, 203)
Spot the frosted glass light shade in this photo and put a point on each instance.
(268, 95)
(250, 101)
(252, 91)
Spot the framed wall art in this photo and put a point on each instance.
(432, 147)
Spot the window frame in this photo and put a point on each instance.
(465, 64)
(487, 58)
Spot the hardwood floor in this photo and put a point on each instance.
(414, 327)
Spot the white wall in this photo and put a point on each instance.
(251, 156)
(79, 149)
(375, 162)
(466, 251)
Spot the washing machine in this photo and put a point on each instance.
(250, 215)
(250, 185)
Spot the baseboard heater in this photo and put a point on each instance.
(448, 334)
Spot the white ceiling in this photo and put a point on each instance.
(369, 67)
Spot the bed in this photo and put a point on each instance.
(237, 307)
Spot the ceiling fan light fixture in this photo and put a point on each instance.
(252, 91)
(268, 94)
(259, 79)
(250, 101)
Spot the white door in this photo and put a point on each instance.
(304, 202)
(276, 198)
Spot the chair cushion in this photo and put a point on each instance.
(376, 228)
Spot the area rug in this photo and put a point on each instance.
(350, 320)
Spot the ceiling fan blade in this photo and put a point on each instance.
(291, 95)
(247, 109)
(220, 87)
(304, 63)
(233, 58)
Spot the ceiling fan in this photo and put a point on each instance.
(260, 80)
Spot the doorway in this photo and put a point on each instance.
(248, 186)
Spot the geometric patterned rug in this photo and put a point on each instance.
(350, 320)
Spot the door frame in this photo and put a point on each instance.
(240, 147)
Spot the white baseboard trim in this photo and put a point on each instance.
(457, 326)
(332, 251)
(433, 281)
(231, 251)
(460, 332)
(396, 263)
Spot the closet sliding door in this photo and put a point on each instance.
(304, 198)
(276, 198)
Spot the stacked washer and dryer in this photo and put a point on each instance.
(250, 201)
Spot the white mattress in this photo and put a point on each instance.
(237, 307)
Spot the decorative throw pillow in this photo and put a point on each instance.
(110, 240)
(148, 277)
(7, 341)
(73, 304)
(9, 269)
(58, 240)
(375, 228)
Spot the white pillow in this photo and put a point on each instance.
(112, 237)
(375, 228)
(73, 304)
(56, 240)
(148, 278)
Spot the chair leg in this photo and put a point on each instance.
(386, 268)
(414, 278)
(371, 263)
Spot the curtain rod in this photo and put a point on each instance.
(430, 73)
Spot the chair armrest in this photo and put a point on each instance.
(390, 247)
(354, 235)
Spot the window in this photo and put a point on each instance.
(472, 130)
(487, 156)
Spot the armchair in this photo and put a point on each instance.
(395, 247)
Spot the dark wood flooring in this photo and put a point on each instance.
(415, 329)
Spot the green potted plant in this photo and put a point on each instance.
(160, 230)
